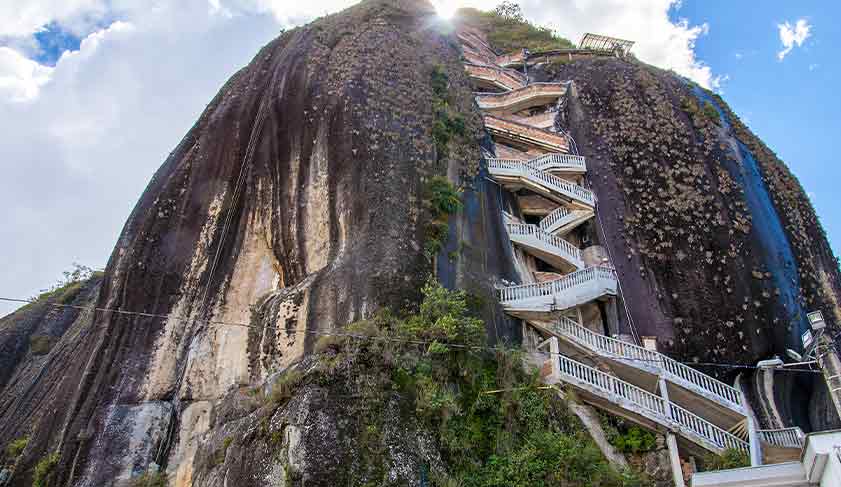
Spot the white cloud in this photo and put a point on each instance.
(659, 41)
(814, 66)
(78, 152)
(23, 17)
(288, 12)
(793, 36)
(20, 78)
(79, 142)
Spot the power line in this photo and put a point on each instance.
(246, 162)
(364, 337)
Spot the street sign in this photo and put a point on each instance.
(806, 338)
(816, 320)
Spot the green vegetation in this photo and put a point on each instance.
(447, 124)
(150, 479)
(223, 452)
(15, 448)
(635, 440)
(555, 66)
(66, 289)
(42, 477)
(710, 113)
(701, 115)
(444, 199)
(627, 438)
(507, 30)
(731, 458)
(41, 344)
(495, 424)
(284, 386)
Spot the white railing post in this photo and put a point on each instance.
(785, 437)
(555, 357)
(754, 444)
(671, 439)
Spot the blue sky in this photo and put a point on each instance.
(793, 104)
(94, 94)
(52, 42)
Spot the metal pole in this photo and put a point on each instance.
(830, 364)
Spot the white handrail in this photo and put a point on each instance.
(554, 183)
(554, 217)
(543, 138)
(621, 349)
(612, 386)
(543, 121)
(561, 217)
(551, 161)
(653, 406)
(510, 79)
(715, 386)
(605, 345)
(526, 291)
(562, 248)
(547, 162)
(501, 100)
(785, 437)
(703, 428)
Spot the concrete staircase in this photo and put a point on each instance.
(692, 409)
(542, 301)
(521, 134)
(553, 250)
(640, 358)
(496, 77)
(563, 220)
(552, 187)
(636, 404)
(532, 95)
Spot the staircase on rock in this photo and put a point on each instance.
(568, 298)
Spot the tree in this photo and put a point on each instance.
(510, 10)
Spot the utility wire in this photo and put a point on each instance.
(246, 163)
(366, 337)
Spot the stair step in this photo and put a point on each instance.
(640, 405)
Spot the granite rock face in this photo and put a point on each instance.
(707, 228)
(296, 204)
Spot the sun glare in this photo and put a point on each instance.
(446, 8)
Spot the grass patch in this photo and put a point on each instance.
(223, 452)
(701, 114)
(150, 479)
(15, 448)
(42, 477)
(710, 113)
(284, 386)
(731, 458)
(67, 289)
(507, 30)
(41, 344)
